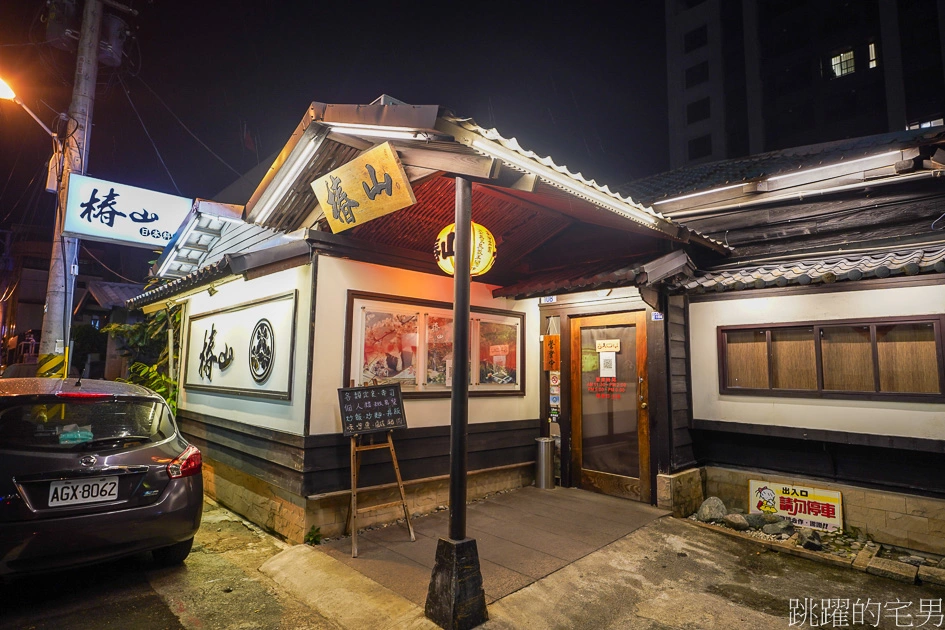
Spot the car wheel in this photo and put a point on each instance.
(172, 555)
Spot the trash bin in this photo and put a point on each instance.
(544, 465)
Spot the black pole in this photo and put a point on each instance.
(459, 398)
(456, 599)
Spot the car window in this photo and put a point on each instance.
(54, 424)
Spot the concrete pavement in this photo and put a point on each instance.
(665, 573)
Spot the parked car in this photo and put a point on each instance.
(92, 470)
(23, 370)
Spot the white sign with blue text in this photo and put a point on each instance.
(98, 210)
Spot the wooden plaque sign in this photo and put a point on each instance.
(369, 186)
(371, 409)
(551, 352)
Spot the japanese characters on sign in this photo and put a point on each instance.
(208, 358)
(371, 409)
(607, 345)
(809, 507)
(369, 186)
(246, 349)
(99, 210)
(551, 352)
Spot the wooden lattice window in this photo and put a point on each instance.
(892, 358)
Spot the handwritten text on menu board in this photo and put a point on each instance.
(371, 409)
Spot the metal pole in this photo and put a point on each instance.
(459, 398)
(58, 317)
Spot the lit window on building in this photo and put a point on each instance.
(937, 122)
(873, 62)
(842, 64)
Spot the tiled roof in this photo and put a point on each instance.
(700, 177)
(200, 277)
(600, 275)
(822, 270)
(512, 145)
(113, 294)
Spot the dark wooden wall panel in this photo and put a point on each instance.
(683, 455)
(309, 465)
(839, 459)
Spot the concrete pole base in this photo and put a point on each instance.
(456, 600)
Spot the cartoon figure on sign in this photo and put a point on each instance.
(766, 504)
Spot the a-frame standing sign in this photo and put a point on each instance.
(368, 410)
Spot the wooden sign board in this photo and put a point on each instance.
(608, 345)
(369, 186)
(371, 409)
(551, 352)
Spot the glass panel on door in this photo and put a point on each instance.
(609, 400)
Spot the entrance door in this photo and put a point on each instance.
(609, 417)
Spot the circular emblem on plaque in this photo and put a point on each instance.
(261, 349)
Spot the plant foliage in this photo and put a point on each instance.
(145, 343)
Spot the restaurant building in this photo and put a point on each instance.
(654, 338)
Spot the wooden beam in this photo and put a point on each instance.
(464, 164)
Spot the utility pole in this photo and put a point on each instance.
(57, 319)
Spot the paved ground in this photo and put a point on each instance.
(551, 559)
(521, 536)
(218, 587)
(665, 573)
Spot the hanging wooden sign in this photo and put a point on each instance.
(551, 352)
(369, 186)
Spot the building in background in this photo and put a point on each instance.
(746, 77)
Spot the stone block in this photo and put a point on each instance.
(922, 506)
(932, 575)
(893, 570)
(937, 526)
(887, 501)
(932, 543)
(904, 524)
(864, 557)
(870, 519)
(680, 492)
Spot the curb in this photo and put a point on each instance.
(341, 594)
(865, 560)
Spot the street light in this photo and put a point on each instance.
(7, 93)
(58, 272)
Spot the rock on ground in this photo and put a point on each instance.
(735, 521)
(781, 527)
(712, 509)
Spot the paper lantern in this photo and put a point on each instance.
(483, 249)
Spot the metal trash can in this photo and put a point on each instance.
(544, 465)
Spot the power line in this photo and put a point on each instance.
(85, 249)
(180, 122)
(148, 134)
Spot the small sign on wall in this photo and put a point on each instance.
(608, 345)
(551, 352)
(808, 507)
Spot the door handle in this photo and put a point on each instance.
(643, 405)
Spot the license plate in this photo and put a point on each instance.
(74, 492)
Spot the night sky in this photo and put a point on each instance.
(577, 81)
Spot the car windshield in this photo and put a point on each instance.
(51, 423)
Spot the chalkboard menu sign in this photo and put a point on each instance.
(371, 409)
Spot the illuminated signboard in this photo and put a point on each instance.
(98, 210)
(369, 186)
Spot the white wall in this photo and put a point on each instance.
(336, 276)
(920, 420)
(280, 415)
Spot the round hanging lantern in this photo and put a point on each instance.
(483, 249)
